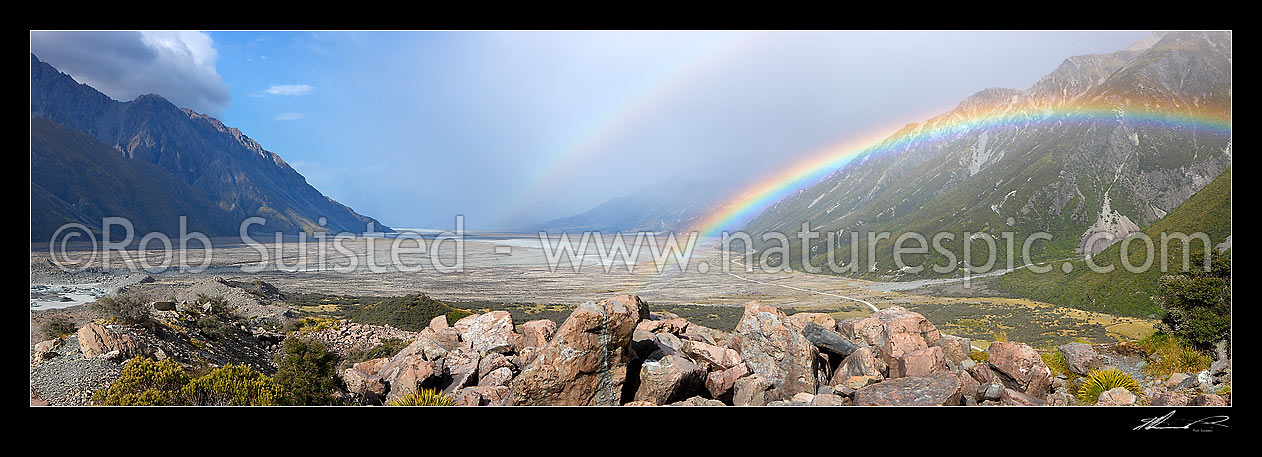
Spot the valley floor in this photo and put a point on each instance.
(514, 271)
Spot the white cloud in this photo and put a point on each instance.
(289, 116)
(289, 89)
(178, 65)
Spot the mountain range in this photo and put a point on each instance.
(150, 161)
(1039, 171)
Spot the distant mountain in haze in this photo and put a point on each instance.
(674, 205)
(1047, 173)
(151, 162)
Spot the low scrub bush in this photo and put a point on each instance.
(58, 327)
(423, 397)
(1099, 382)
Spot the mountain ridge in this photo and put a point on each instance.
(235, 172)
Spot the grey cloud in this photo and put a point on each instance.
(177, 65)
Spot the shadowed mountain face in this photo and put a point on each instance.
(222, 175)
(1041, 169)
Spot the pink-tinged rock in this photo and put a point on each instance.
(438, 323)
(798, 321)
(1170, 399)
(719, 383)
(935, 389)
(586, 362)
(752, 390)
(371, 366)
(1207, 400)
(460, 367)
(955, 348)
(775, 351)
(920, 363)
(859, 363)
(669, 379)
(709, 356)
(1021, 367)
(862, 330)
(969, 387)
(663, 323)
(830, 400)
(640, 403)
(859, 382)
(36, 400)
(1011, 397)
(1117, 396)
(407, 374)
(536, 333)
(368, 388)
(1081, 357)
(95, 340)
(489, 332)
(467, 397)
(698, 401)
(491, 395)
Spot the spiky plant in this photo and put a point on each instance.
(1099, 382)
(424, 397)
(1192, 360)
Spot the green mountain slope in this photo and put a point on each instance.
(1039, 171)
(1121, 291)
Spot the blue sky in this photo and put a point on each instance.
(509, 128)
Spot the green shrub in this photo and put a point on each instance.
(126, 308)
(232, 385)
(1168, 354)
(1099, 382)
(979, 356)
(388, 348)
(58, 327)
(212, 327)
(306, 372)
(1198, 304)
(144, 382)
(1056, 362)
(423, 397)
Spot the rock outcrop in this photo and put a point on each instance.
(586, 363)
(774, 351)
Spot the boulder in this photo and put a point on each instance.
(955, 349)
(1207, 400)
(1081, 357)
(920, 363)
(892, 332)
(460, 367)
(372, 366)
(663, 323)
(586, 362)
(693, 401)
(709, 356)
(1021, 367)
(860, 363)
(830, 400)
(753, 390)
(859, 382)
(720, 383)
(406, 374)
(1010, 397)
(489, 332)
(36, 400)
(706, 334)
(1117, 396)
(827, 340)
(933, 389)
(668, 379)
(1170, 399)
(369, 389)
(775, 351)
(799, 321)
(45, 350)
(95, 340)
(536, 333)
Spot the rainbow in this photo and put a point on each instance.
(627, 113)
(747, 204)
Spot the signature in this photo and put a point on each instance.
(1160, 423)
